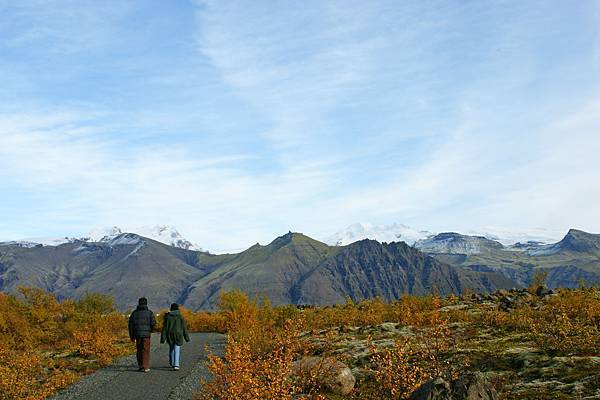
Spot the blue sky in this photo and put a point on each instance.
(238, 121)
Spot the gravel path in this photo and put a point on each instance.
(121, 380)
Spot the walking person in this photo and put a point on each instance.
(174, 332)
(141, 325)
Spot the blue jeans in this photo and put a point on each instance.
(174, 355)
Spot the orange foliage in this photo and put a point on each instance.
(36, 328)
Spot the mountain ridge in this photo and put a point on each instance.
(292, 269)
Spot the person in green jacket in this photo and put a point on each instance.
(174, 332)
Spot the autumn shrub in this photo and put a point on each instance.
(96, 341)
(35, 328)
(256, 370)
(367, 312)
(394, 375)
(569, 323)
(28, 375)
(496, 319)
(203, 321)
(414, 310)
(396, 371)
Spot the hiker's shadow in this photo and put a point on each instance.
(122, 368)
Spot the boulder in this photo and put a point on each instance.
(332, 375)
(543, 291)
(474, 387)
(507, 303)
(466, 387)
(433, 389)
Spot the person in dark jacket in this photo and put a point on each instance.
(174, 332)
(141, 324)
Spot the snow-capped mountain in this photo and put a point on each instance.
(400, 232)
(381, 233)
(161, 233)
(455, 243)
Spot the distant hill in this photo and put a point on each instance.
(569, 262)
(292, 269)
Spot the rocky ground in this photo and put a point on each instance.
(509, 359)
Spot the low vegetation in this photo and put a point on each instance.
(46, 345)
(530, 344)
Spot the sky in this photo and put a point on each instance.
(239, 121)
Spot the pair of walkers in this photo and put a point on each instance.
(141, 324)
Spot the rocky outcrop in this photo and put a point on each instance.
(467, 387)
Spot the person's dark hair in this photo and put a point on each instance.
(143, 301)
(174, 306)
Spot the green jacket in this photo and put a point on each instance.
(174, 329)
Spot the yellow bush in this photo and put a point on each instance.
(568, 324)
(395, 377)
(35, 327)
(252, 370)
(29, 376)
(96, 341)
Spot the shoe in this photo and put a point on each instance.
(147, 370)
(175, 368)
(141, 369)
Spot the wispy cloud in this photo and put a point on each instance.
(236, 122)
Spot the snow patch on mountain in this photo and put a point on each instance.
(168, 235)
(509, 238)
(20, 243)
(381, 233)
(125, 239)
(103, 234)
(45, 241)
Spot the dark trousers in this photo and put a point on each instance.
(143, 352)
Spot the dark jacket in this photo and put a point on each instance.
(174, 329)
(141, 323)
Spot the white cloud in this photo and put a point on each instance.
(86, 180)
(368, 111)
